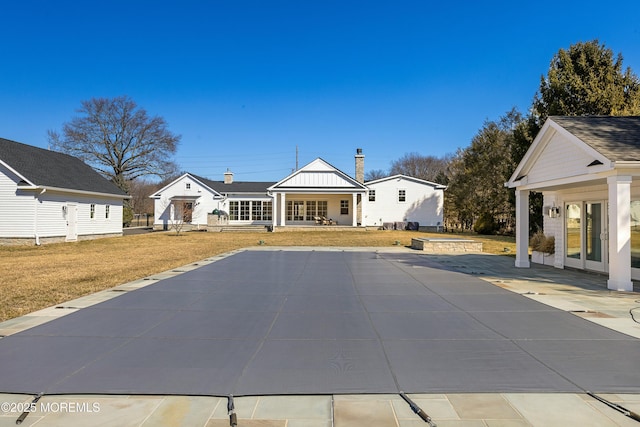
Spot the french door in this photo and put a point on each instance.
(586, 237)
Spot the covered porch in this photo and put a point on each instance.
(588, 170)
(317, 195)
(595, 224)
(316, 210)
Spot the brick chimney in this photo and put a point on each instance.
(228, 177)
(359, 166)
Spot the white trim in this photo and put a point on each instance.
(18, 174)
(408, 178)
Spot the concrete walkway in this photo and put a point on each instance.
(580, 293)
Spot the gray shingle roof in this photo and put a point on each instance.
(615, 137)
(236, 187)
(52, 169)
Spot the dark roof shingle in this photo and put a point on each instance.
(615, 137)
(52, 169)
(235, 187)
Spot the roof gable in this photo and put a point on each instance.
(218, 188)
(43, 168)
(320, 175)
(557, 153)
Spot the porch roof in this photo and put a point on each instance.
(571, 152)
(318, 177)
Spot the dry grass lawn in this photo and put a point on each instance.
(36, 277)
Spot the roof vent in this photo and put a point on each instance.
(595, 163)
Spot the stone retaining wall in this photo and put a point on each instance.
(445, 245)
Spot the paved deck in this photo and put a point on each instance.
(583, 294)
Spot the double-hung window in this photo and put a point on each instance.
(344, 207)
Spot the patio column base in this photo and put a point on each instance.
(625, 286)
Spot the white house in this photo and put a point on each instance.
(316, 194)
(47, 196)
(404, 199)
(191, 199)
(588, 170)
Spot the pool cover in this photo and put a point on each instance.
(318, 322)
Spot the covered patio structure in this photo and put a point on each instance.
(317, 194)
(587, 169)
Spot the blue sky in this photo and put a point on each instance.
(245, 82)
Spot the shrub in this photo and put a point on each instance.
(127, 216)
(485, 225)
(541, 243)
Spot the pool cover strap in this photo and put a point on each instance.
(621, 409)
(417, 410)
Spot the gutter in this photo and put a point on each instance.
(35, 214)
(69, 190)
(631, 164)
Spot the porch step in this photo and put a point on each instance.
(244, 228)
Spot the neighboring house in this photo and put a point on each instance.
(47, 196)
(588, 170)
(316, 194)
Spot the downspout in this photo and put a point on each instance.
(35, 221)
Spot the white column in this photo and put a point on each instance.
(354, 210)
(522, 228)
(363, 210)
(619, 233)
(283, 208)
(274, 211)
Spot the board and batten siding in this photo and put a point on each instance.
(317, 179)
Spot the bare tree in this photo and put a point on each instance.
(374, 174)
(119, 140)
(429, 168)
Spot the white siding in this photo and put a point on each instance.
(201, 196)
(98, 224)
(424, 204)
(23, 214)
(559, 159)
(16, 208)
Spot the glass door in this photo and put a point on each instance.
(586, 235)
(573, 235)
(594, 236)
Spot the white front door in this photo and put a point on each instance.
(72, 222)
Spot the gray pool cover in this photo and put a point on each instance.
(287, 322)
